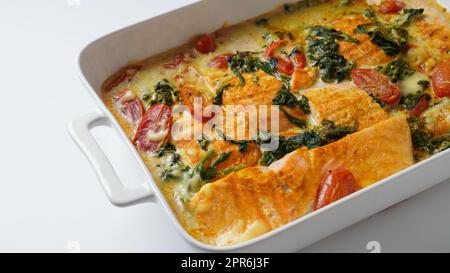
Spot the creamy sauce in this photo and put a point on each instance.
(429, 35)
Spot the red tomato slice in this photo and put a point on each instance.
(133, 110)
(337, 184)
(391, 6)
(154, 128)
(299, 59)
(206, 44)
(285, 67)
(421, 107)
(270, 50)
(440, 79)
(126, 73)
(178, 60)
(220, 62)
(376, 84)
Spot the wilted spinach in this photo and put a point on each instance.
(323, 52)
(391, 37)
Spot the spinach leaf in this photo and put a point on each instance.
(396, 70)
(248, 62)
(203, 143)
(211, 172)
(242, 144)
(285, 98)
(163, 93)
(327, 133)
(323, 52)
(390, 37)
(410, 101)
(219, 94)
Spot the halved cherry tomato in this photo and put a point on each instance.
(206, 44)
(133, 110)
(337, 184)
(130, 106)
(270, 50)
(421, 106)
(178, 60)
(391, 6)
(440, 79)
(123, 74)
(154, 128)
(285, 67)
(220, 62)
(376, 84)
(299, 59)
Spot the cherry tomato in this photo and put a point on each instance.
(440, 78)
(285, 67)
(420, 107)
(154, 128)
(299, 59)
(391, 6)
(270, 50)
(206, 44)
(178, 60)
(220, 62)
(126, 73)
(376, 84)
(133, 110)
(337, 184)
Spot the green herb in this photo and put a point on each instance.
(247, 62)
(377, 100)
(262, 22)
(208, 173)
(396, 70)
(303, 103)
(219, 94)
(242, 144)
(323, 52)
(164, 93)
(164, 149)
(318, 136)
(146, 97)
(410, 101)
(390, 37)
(424, 83)
(203, 143)
(424, 140)
(285, 97)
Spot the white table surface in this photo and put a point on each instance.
(50, 199)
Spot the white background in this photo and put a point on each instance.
(50, 199)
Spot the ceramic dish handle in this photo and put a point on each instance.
(117, 193)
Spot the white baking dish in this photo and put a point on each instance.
(107, 54)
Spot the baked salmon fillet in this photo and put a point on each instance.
(345, 105)
(256, 200)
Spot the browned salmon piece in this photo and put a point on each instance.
(259, 89)
(344, 105)
(429, 45)
(256, 200)
(364, 53)
(191, 153)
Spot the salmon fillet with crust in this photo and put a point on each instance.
(364, 53)
(344, 105)
(255, 200)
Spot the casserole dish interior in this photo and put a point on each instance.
(108, 54)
